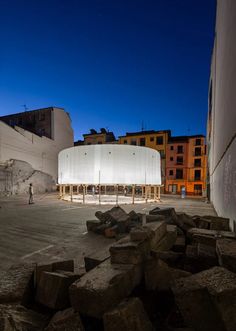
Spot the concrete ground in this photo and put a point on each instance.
(52, 229)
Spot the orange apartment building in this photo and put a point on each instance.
(157, 140)
(183, 158)
(186, 165)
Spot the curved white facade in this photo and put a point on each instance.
(109, 165)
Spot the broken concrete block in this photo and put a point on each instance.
(168, 240)
(169, 213)
(129, 315)
(92, 224)
(101, 228)
(65, 320)
(226, 251)
(52, 290)
(114, 215)
(17, 317)
(218, 223)
(126, 251)
(179, 245)
(204, 239)
(173, 259)
(112, 231)
(140, 233)
(202, 223)
(104, 287)
(212, 233)
(184, 221)
(95, 258)
(159, 276)
(154, 218)
(159, 230)
(135, 217)
(66, 265)
(207, 299)
(17, 284)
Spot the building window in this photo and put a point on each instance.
(171, 148)
(198, 142)
(198, 151)
(171, 158)
(125, 141)
(171, 172)
(197, 174)
(159, 140)
(198, 189)
(179, 160)
(151, 138)
(133, 142)
(197, 162)
(180, 149)
(99, 142)
(142, 141)
(179, 173)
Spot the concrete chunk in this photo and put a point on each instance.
(159, 276)
(104, 287)
(66, 320)
(218, 223)
(53, 289)
(17, 317)
(92, 224)
(226, 251)
(179, 245)
(126, 251)
(17, 284)
(212, 233)
(129, 315)
(94, 259)
(207, 299)
(169, 213)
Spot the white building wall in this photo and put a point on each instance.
(40, 152)
(222, 124)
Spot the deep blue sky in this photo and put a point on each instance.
(109, 63)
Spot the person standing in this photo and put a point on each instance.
(31, 194)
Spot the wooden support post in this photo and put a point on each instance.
(146, 194)
(99, 194)
(155, 193)
(117, 189)
(71, 193)
(60, 191)
(159, 193)
(63, 190)
(86, 189)
(133, 193)
(77, 189)
(83, 193)
(105, 190)
(142, 192)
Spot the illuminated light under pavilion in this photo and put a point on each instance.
(127, 172)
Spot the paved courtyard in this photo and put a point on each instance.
(52, 229)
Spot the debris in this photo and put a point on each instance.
(65, 320)
(129, 315)
(226, 251)
(94, 259)
(104, 287)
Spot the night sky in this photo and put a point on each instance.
(109, 63)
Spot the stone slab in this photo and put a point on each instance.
(129, 315)
(17, 284)
(66, 320)
(53, 289)
(226, 251)
(104, 287)
(94, 259)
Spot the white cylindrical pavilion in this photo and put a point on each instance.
(109, 164)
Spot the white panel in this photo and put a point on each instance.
(109, 164)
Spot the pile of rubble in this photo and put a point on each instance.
(169, 271)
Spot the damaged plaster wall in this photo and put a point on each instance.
(40, 153)
(16, 175)
(222, 113)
